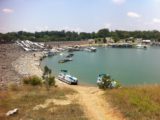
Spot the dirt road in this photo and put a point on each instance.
(94, 105)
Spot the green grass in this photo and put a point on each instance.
(27, 97)
(136, 103)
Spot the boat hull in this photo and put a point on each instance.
(68, 82)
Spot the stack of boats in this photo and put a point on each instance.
(30, 46)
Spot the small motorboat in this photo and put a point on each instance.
(70, 55)
(140, 46)
(93, 49)
(67, 78)
(65, 60)
(90, 49)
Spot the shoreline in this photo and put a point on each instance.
(29, 64)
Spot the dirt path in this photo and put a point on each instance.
(94, 105)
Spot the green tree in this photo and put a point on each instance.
(103, 33)
(104, 40)
(106, 81)
(49, 79)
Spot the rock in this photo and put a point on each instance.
(12, 112)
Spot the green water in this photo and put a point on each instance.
(129, 66)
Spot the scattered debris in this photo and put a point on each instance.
(12, 112)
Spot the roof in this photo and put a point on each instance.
(146, 40)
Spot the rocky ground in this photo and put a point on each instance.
(29, 64)
(8, 54)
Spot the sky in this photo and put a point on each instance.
(79, 15)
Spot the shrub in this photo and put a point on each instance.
(107, 82)
(51, 81)
(32, 80)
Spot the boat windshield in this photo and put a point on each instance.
(72, 78)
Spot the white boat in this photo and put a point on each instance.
(140, 46)
(67, 78)
(90, 49)
(93, 49)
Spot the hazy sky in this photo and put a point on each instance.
(79, 15)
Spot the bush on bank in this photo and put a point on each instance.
(107, 82)
(32, 80)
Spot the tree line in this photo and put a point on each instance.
(45, 36)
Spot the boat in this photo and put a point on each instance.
(70, 55)
(50, 53)
(65, 60)
(93, 49)
(141, 46)
(67, 78)
(90, 49)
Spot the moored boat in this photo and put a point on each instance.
(140, 46)
(67, 78)
(70, 55)
(90, 49)
(65, 60)
(93, 49)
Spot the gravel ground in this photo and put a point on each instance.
(8, 54)
(29, 64)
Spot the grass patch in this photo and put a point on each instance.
(27, 97)
(136, 103)
(32, 80)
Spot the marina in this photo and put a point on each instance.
(129, 66)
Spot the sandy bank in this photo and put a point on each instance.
(29, 64)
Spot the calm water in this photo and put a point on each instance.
(129, 66)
